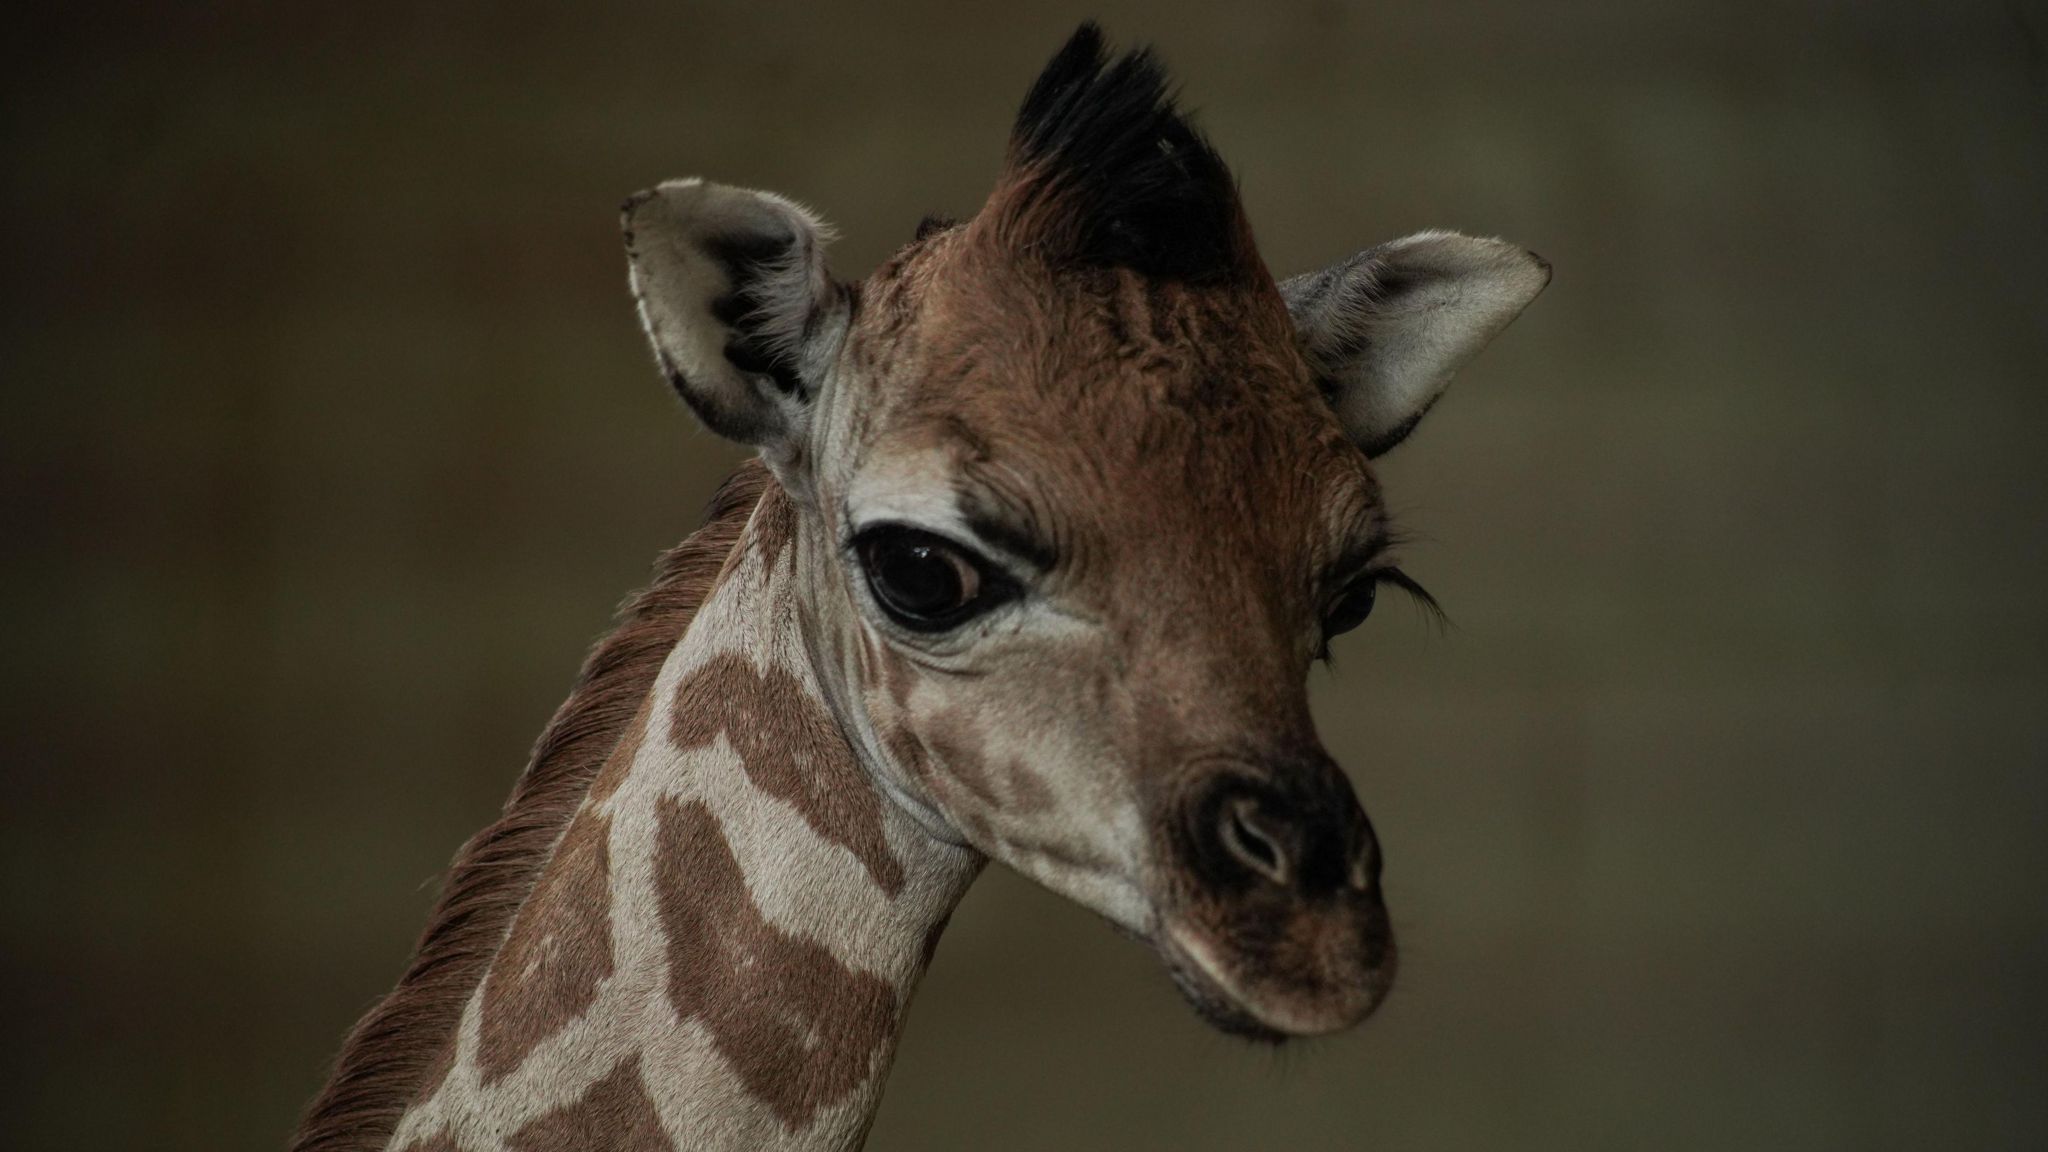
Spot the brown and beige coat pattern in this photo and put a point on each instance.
(733, 909)
(1053, 513)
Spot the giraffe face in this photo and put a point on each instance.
(1086, 533)
(1082, 494)
(1086, 536)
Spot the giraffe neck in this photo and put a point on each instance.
(722, 947)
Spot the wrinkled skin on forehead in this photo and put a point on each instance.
(1163, 448)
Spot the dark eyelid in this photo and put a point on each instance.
(994, 512)
(1012, 540)
(992, 570)
(1357, 562)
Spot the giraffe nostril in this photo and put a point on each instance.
(1365, 871)
(1285, 828)
(1366, 858)
(1252, 845)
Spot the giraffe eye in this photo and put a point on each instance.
(1351, 608)
(923, 581)
(1354, 604)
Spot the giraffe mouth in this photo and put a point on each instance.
(1233, 999)
(1208, 990)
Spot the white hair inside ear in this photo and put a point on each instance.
(1387, 329)
(743, 313)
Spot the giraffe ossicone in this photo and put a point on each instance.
(1053, 512)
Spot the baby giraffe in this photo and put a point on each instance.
(1052, 514)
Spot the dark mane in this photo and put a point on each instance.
(388, 1055)
(1101, 158)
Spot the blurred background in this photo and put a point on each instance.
(1719, 820)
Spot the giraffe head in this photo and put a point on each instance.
(1081, 493)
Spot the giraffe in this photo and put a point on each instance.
(1050, 516)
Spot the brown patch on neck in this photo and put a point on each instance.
(616, 1115)
(792, 750)
(393, 1050)
(801, 1028)
(557, 955)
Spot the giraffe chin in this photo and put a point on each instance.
(1223, 1000)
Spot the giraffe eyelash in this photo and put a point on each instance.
(1420, 596)
(1416, 592)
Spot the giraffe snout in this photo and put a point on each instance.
(1273, 922)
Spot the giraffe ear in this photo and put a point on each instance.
(734, 293)
(1385, 330)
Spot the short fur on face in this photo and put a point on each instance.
(1094, 392)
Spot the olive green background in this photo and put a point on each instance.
(1719, 820)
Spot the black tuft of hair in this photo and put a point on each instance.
(1147, 191)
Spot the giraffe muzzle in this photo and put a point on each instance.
(1273, 922)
